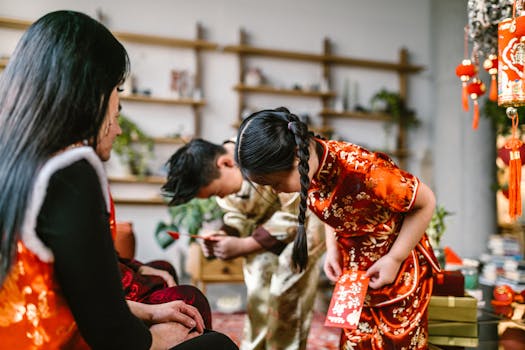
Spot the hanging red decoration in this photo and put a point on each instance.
(475, 89)
(513, 144)
(511, 61)
(491, 66)
(465, 71)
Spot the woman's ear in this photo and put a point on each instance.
(225, 160)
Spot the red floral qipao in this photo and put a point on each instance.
(364, 197)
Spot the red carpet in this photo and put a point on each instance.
(320, 337)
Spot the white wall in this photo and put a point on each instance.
(431, 30)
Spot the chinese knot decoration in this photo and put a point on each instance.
(513, 144)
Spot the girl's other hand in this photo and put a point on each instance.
(383, 272)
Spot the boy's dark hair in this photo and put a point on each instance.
(190, 168)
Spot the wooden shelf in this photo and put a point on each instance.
(3, 62)
(321, 58)
(266, 89)
(356, 115)
(13, 23)
(164, 41)
(162, 100)
(140, 201)
(156, 180)
(171, 140)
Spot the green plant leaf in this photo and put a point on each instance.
(162, 237)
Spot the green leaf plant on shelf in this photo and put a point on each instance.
(435, 230)
(188, 218)
(133, 147)
(394, 105)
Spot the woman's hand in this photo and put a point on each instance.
(383, 271)
(177, 311)
(165, 275)
(169, 334)
(174, 311)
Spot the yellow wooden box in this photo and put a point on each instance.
(453, 341)
(453, 329)
(449, 308)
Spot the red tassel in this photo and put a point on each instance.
(514, 144)
(464, 96)
(475, 120)
(493, 93)
(514, 184)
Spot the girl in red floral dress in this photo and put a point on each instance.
(376, 213)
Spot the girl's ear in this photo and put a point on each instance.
(225, 160)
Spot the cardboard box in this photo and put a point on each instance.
(453, 329)
(448, 308)
(453, 341)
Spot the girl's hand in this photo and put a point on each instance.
(383, 272)
(332, 264)
(147, 270)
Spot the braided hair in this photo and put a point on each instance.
(268, 142)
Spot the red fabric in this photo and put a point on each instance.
(150, 289)
(34, 314)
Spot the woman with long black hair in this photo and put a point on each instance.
(60, 285)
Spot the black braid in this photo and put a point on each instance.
(302, 140)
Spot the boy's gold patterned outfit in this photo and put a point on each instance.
(279, 300)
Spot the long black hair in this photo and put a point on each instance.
(268, 141)
(54, 92)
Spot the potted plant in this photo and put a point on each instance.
(394, 105)
(435, 231)
(133, 146)
(189, 218)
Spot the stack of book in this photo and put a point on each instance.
(452, 321)
(504, 264)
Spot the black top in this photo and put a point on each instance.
(74, 224)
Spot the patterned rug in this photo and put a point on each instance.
(320, 337)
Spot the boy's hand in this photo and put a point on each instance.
(228, 247)
(208, 245)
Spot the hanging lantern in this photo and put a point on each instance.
(491, 66)
(511, 61)
(476, 89)
(465, 71)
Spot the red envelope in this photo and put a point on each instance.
(347, 300)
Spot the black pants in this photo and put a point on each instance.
(208, 340)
